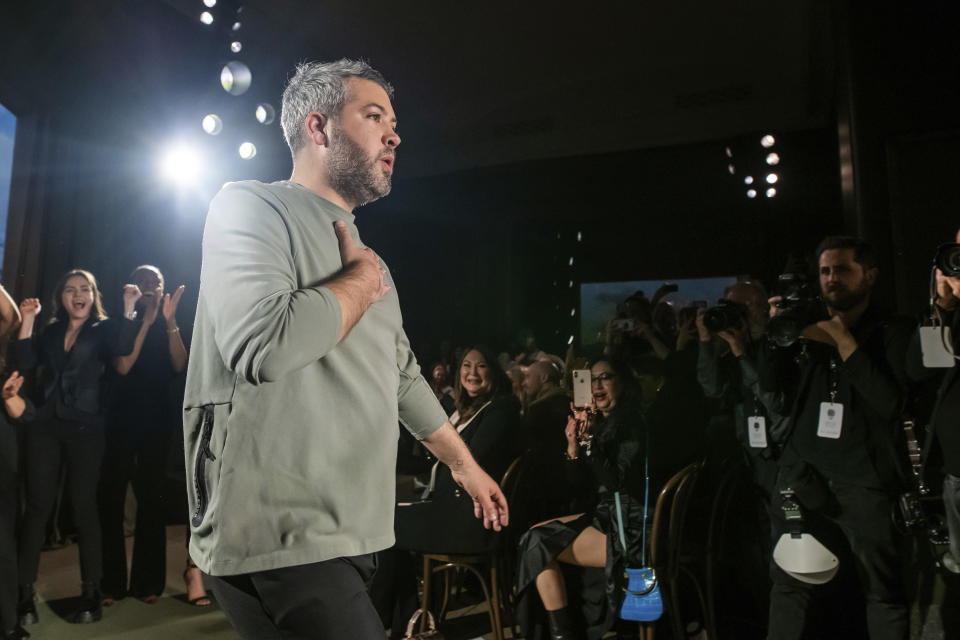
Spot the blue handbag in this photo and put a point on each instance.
(641, 599)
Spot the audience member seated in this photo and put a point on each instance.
(547, 409)
(487, 417)
(571, 567)
(440, 383)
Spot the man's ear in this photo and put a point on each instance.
(871, 275)
(317, 126)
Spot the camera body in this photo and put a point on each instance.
(800, 306)
(726, 315)
(948, 259)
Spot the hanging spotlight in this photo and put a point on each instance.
(247, 150)
(751, 193)
(731, 169)
(236, 26)
(748, 180)
(767, 141)
(570, 340)
(212, 124)
(771, 192)
(571, 261)
(773, 159)
(206, 17)
(579, 236)
(265, 113)
(210, 3)
(235, 78)
(236, 46)
(573, 312)
(729, 152)
(772, 178)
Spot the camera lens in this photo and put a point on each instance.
(948, 259)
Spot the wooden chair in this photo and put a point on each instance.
(487, 567)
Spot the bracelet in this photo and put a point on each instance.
(130, 315)
(176, 330)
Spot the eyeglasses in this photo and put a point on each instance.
(603, 377)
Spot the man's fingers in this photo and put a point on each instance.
(491, 514)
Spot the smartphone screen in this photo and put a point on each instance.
(582, 393)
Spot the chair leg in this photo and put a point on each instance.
(425, 599)
(495, 602)
(446, 594)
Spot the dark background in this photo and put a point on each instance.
(523, 124)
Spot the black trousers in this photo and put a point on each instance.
(8, 546)
(863, 517)
(80, 449)
(322, 601)
(136, 451)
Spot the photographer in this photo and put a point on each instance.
(946, 411)
(840, 452)
(727, 371)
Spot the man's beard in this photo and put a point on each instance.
(355, 177)
(846, 299)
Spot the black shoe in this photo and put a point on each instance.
(561, 627)
(27, 607)
(91, 609)
(17, 633)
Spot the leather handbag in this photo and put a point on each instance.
(642, 601)
(430, 633)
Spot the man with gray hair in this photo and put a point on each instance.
(299, 371)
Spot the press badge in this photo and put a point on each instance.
(757, 431)
(831, 419)
(936, 347)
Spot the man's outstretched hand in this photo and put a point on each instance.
(489, 502)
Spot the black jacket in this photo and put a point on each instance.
(71, 383)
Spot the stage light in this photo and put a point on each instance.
(573, 312)
(236, 46)
(206, 17)
(748, 180)
(729, 152)
(773, 158)
(235, 78)
(570, 340)
(571, 284)
(731, 169)
(771, 192)
(767, 141)
(751, 193)
(772, 178)
(571, 261)
(236, 26)
(210, 3)
(579, 236)
(212, 124)
(247, 150)
(181, 165)
(265, 113)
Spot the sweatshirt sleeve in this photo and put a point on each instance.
(265, 326)
(420, 411)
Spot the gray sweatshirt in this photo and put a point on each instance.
(290, 437)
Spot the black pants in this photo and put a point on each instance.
(8, 546)
(324, 600)
(136, 451)
(863, 517)
(80, 448)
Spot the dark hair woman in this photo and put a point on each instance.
(605, 452)
(71, 357)
(140, 425)
(488, 419)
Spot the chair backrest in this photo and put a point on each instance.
(663, 514)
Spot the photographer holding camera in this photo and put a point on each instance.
(840, 454)
(929, 358)
(727, 371)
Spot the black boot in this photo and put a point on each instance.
(91, 608)
(27, 607)
(17, 633)
(561, 628)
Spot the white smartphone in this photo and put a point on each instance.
(582, 393)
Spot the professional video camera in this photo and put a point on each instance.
(800, 306)
(948, 259)
(726, 315)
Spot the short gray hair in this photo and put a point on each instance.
(320, 86)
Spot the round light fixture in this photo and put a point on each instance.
(247, 150)
(235, 78)
(751, 193)
(773, 159)
(212, 124)
(206, 17)
(265, 113)
(767, 141)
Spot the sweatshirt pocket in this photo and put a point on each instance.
(201, 456)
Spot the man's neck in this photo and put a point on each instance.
(851, 316)
(310, 175)
(545, 391)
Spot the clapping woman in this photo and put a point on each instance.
(70, 357)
